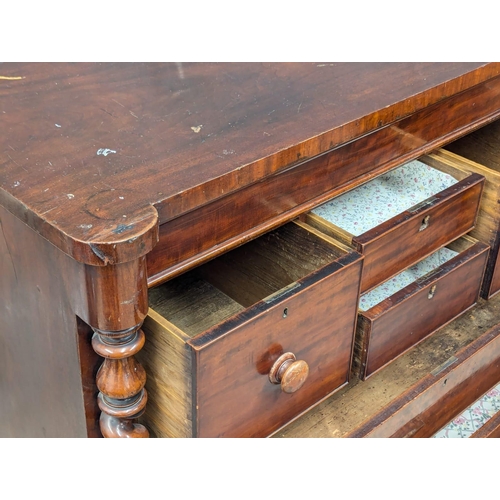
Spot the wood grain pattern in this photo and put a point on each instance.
(436, 399)
(491, 429)
(63, 299)
(299, 300)
(41, 387)
(361, 403)
(93, 157)
(404, 319)
(168, 362)
(399, 242)
(480, 152)
(235, 218)
(242, 402)
(85, 144)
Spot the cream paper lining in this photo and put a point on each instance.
(367, 206)
(398, 282)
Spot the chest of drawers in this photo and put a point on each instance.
(118, 178)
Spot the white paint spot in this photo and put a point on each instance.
(70, 196)
(105, 151)
(121, 197)
(45, 190)
(196, 129)
(85, 226)
(180, 70)
(17, 183)
(124, 216)
(57, 125)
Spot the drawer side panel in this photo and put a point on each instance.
(167, 359)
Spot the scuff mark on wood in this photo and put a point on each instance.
(100, 254)
(121, 228)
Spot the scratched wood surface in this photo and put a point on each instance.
(361, 403)
(93, 156)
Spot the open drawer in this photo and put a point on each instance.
(401, 312)
(245, 343)
(402, 216)
(480, 153)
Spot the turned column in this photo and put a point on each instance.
(118, 296)
(121, 381)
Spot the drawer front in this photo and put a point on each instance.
(390, 328)
(193, 237)
(315, 320)
(409, 237)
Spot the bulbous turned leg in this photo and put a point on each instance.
(121, 380)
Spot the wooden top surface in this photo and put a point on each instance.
(181, 135)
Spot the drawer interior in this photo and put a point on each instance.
(227, 285)
(419, 270)
(369, 205)
(481, 146)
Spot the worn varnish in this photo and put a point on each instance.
(95, 155)
(99, 162)
(365, 406)
(219, 335)
(226, 222)
(50, 308)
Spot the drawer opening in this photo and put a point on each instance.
(227, 285)
(379, 200)
(420, 270)
(397, 315)
(403, 279)
(481, 155)
(423, 205)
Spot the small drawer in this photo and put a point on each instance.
(480, 153)
(401, 312)
(245, 343)
(402, 216)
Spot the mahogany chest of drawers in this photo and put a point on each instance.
(124, 186)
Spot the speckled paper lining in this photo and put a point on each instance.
(398, 282)
(388, 195)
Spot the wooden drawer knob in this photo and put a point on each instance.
(289, 372)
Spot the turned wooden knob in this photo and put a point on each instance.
(289, 373)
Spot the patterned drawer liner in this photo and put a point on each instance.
(398, 282)
(382, 198)
(474, 417)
